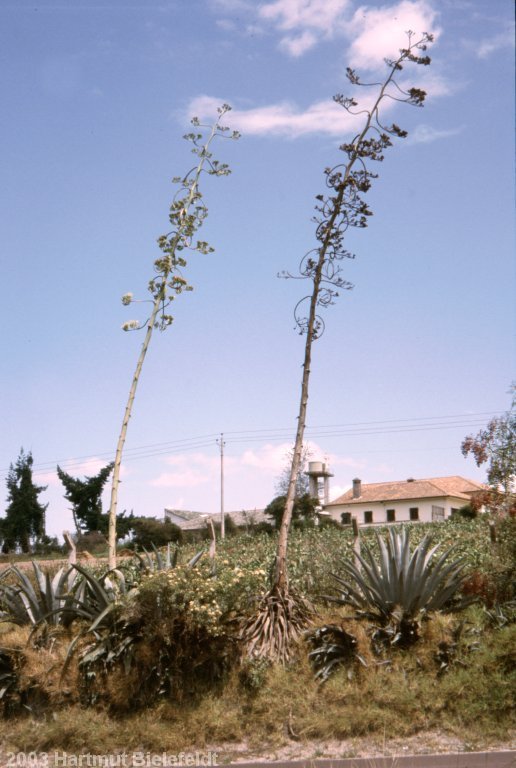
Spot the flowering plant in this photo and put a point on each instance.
(198, 597)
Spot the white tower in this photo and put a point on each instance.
(319, 481)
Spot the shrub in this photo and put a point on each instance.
(468, 512)
(303, 514)
(93, 542)
(149, 531)
(173, 636)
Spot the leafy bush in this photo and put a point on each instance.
(197, 596)
(468, 512)
(93, 542)
(149, 531)
(303, 514)
(172, 635)
(9, 661)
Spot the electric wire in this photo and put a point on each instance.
(362, 429)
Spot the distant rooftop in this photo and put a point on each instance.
(456, 486)
(195, 520)
(185, 514)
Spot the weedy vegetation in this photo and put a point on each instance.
(153, 656)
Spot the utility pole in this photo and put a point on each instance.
(221, 443)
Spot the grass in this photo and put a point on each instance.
(401, 699)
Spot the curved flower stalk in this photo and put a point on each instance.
(337, 210)
(187, 214)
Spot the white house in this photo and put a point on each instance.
(411, 500)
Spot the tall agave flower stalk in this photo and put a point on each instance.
(282, 614)
(187, 214)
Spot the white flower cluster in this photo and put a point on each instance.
(130, 325)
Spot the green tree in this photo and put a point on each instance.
(148, 531)
(85, 497)
(302, 482)
(304, 511)
(495, 445)
(283, 615)
(187, 214)
(24, 522)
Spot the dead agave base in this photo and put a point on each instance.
(280, 620)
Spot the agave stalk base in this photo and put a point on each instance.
(277, 625)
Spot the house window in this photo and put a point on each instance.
(368, 517)
(414, 513)
(437, 513)
(346, 518)
(391, 515)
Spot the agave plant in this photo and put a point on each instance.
(100, 602)
(163, 563)
(332, 647)
(22, 602)
(402, 587)
(9, 660)
(160, 563)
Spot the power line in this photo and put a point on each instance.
(237, 437)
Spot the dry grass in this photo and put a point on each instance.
(284, 705)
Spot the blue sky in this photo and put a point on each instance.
(95, 99)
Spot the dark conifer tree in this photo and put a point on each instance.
(24, 522)
(85, 497)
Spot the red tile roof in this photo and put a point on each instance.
(433, 487)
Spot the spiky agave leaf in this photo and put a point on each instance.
(401, 586)
(22, 603)
(95, 600)
(161, 563)
(332, 647)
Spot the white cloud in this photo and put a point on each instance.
(344, 461)
(306, 21)
(208, 462)
(285, 118)
(46, 478)
(425, 134)
(304, 14)
(184, 478)
(188, 471)
(375, 32)
(296, 46)
(80, 469)
(322, 117)
(269, 458)
(493, 44)
(226, 24)
(338, 490)
(380, 32)
(191, 470)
